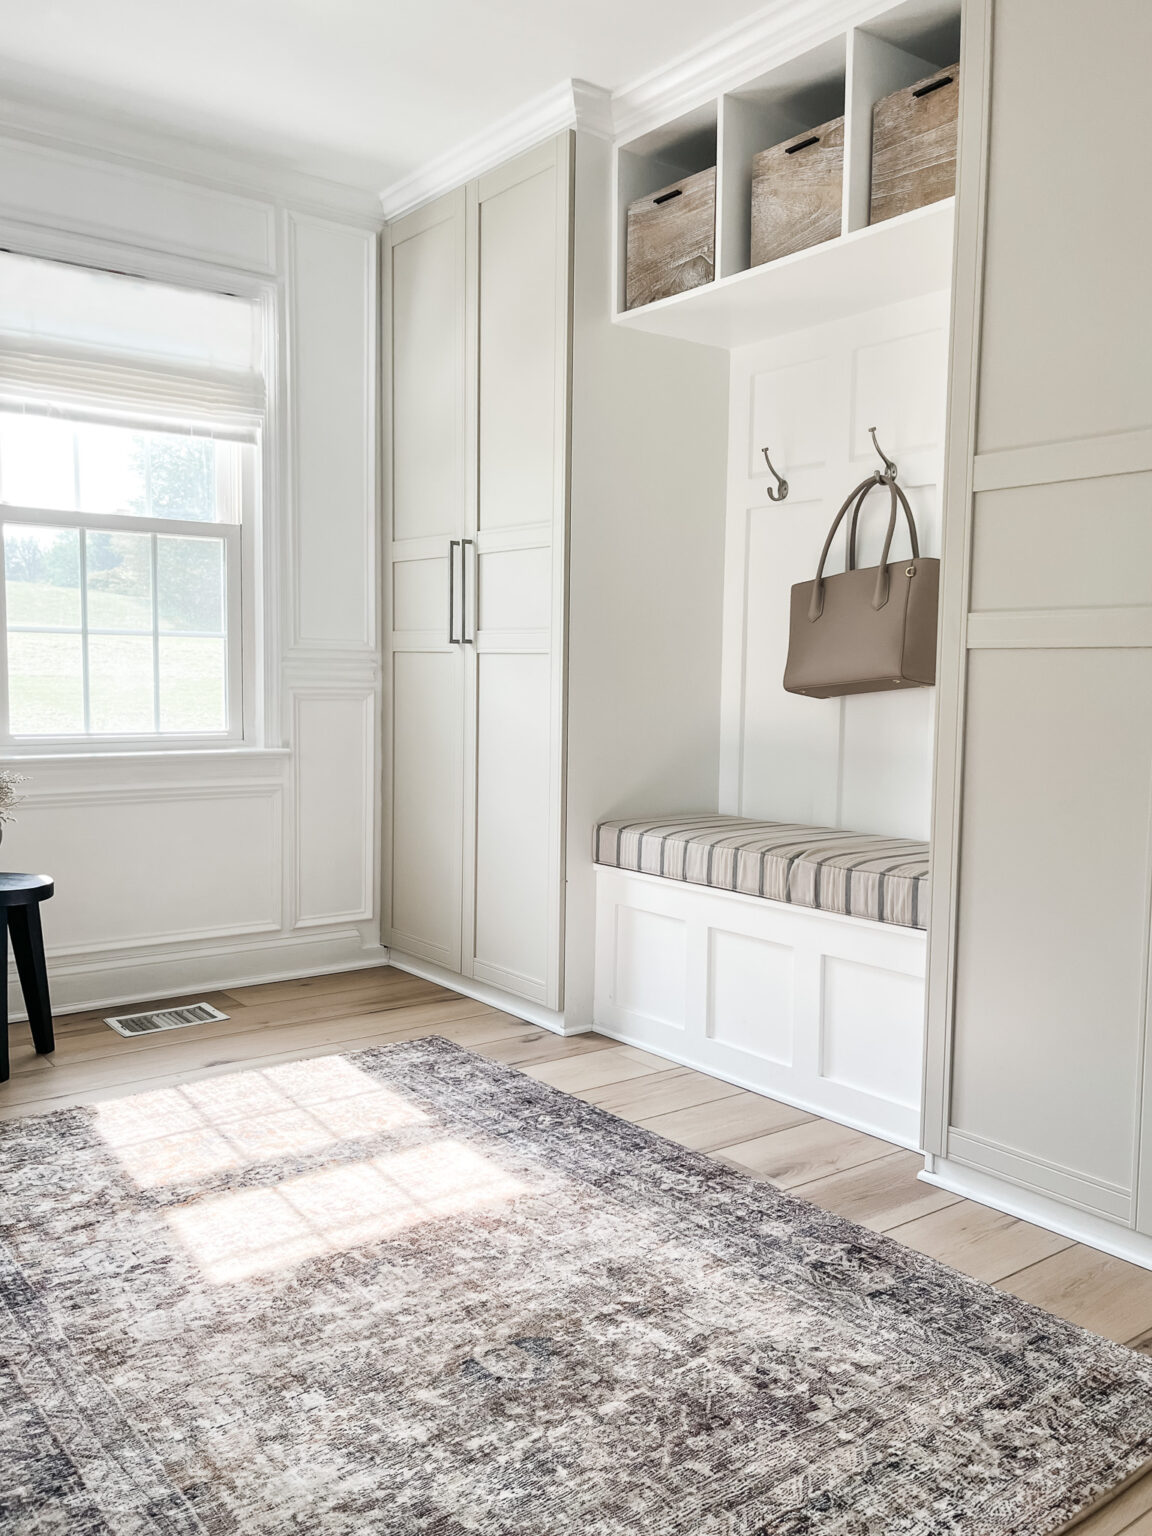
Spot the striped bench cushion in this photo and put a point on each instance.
(854, 874)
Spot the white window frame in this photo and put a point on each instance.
(237, 535)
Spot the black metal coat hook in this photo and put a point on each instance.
(781, 490)
(889, 468)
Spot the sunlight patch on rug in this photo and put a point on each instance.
(174, 1135)
(233, 1237)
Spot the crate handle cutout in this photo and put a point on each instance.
(795, 148)
(936, 85)
(668, 196)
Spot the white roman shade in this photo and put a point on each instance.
(227, 405)
(99, 345)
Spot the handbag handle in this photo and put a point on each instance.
(857, 496)
(908, 517)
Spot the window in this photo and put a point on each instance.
(128, 490)
(122, 570)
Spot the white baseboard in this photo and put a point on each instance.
(114, 978)
(520, 1007)
(1053, 1215)
(699, 1063)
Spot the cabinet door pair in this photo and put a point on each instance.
(476, 409)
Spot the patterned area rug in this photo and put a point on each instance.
(415, 1292)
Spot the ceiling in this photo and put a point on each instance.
(360, 91)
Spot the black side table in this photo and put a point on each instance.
(20, 898)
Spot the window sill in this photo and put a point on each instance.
(11, 759)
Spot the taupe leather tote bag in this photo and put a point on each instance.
(863, 631)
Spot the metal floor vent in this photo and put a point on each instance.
(165, 1018)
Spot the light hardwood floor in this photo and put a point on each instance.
(867, 1180)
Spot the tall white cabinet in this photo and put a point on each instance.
(1037, 1091)
(479, 303)
(554, 550)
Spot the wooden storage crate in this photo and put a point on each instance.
(797, 192)
(671, 240)
(914, 145)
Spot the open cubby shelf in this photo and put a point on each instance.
(867, 264)
(881, 264)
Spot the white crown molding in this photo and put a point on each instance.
(779, 31)
(123, 141)
(593, 109)
(571, 104)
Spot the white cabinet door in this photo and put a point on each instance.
(427, 804)
(425, 408)
(519, 222)
(1042, 871)
(427, 317)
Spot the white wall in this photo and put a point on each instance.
(863, 762)
(646, 570)
(185, 871)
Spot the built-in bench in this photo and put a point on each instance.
(884, 879)
(788, 958)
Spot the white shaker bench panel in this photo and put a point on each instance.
(819, 1010)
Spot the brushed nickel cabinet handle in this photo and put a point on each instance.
(464, 635)
(453, 545)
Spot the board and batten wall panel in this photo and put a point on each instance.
(863, 762)
(332, 356)
(333, 655)
(1042, 877)
(334, 741)
(136, 866)
(188, 870)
